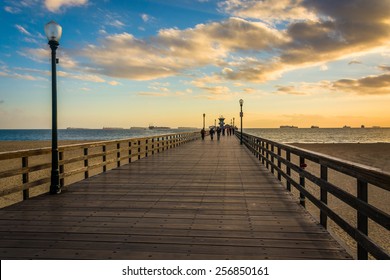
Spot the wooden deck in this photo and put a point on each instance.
(203, 200)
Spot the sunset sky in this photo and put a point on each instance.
(140, 62)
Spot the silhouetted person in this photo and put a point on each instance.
(212, 133)
(218, 133)
(203, 133)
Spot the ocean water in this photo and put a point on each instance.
(82, 134)
(323, 135)
(285, 135)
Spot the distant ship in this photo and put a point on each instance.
(315, 126)
(346, 126)
(112, 128)
(158, 127)
(288, 126)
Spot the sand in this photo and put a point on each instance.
(371, 154)
(374, 155)
(6, 146)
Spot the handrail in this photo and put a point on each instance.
(270, 154)
(28, 170)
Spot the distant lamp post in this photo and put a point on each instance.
(241, 115)
(53, 33)
(204, 118)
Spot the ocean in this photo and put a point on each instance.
(82, 134)
(282, 135)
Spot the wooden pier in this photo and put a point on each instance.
(203, 200)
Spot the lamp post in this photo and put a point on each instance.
(204, 116)
(53, 33)
(234, 128)
(241, 115)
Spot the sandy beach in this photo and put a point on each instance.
(374, 155)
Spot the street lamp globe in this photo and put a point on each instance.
(53, 31)
(241, 102)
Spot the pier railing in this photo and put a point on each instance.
(27, 173)
(278, 159)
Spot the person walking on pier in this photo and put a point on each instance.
(218, 133)
(212, 133)
(203, 133)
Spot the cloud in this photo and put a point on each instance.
(22, 30)
(324, 67)
(1, 101)
(116, 23)
(173, 51)
(55, 5)
(355, 61)
(43, 56)
(291, 90)
(12, 10)
(384, 68)
(145, 17)
(340, 29)
(157, 94)
(268, 10)
(371, 85)
(217, 90)
(82, 77)
(15, 75)
(114, 83)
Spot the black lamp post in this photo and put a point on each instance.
(234, 128)
(241, 115)
(204, 116)
(53, 33)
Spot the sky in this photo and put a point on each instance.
(166, 63)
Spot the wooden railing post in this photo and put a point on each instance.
(129, 151)
(104, 158)
(26, 192)
(146, 147)
(324, 197)
(267, 148)
(288, 170)
(118, 154)
(62, 168)
(152, 146)
(272, 158)
(86, 173)
(279, 164)
(362, 220)
(262, 152)
(302, 165)
(139, 149)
